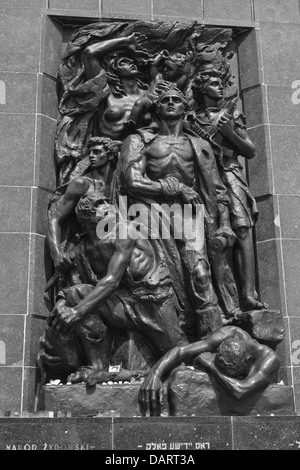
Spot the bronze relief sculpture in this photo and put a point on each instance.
(148, 145)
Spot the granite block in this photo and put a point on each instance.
(41, 271)
(267, 226)
(17, 149)
(259, 168)
(277, 11)
(11, 340)
(15, 209)
(194, 393)
(296, 384)
(24, 3)
(283, 348)
(281, 53)
(47, 103)
(289, 210)
(100, 400)
(14, 249)
(170, 433)
(295, 340)
(250, 60)
(75, 4)
(266, 433)
(20, 91)
(20, 39)
(51, 45)
(31, 383)
(270, 276)
(134, 7)
(291, 262)
(55, 434)
(11, 388)
(285, 376)
(179, 8)
(282, 109)
(45, 172)
(35, 326)
(254, 100)
(285, 146)
(231, 9)
(40, 201)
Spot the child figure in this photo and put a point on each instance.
(175, 71)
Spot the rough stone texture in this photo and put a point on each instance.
(250, 61)
(189, 392)
(266, 326)
(268, 225)
(14, 251)
(270, 274)
(134, 8)
(266, 433)
(277, 11)
(192, 392)
(17, 154)
(172, 434)
(15, 209)
(291, 256)
(289, 210)
(179, 8)
(231, 9)
(118, 399)
(55, 434)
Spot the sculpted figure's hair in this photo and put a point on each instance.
(112, 147)
(200, 80)
(232, 358)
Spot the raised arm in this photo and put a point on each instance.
(57, 219)
(93, 53)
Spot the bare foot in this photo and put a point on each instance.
(250, 303)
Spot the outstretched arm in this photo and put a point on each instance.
(151, 390)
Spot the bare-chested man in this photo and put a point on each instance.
(238, 362)
(170, 166)
(121, 284)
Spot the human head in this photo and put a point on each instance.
(173, 67)
(124, 67)
(110, 148)
(232, 358)
(203, 79)
(171, 104)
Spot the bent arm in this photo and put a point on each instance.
(242, 142)
(259, 377)
(136, 181)
(110, 282)
(92, 54)
(62, 213)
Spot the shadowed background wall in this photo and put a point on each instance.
(33, 36)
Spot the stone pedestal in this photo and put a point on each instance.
(189, 392)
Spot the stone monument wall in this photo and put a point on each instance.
(33, 36)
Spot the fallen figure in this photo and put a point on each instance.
(238, 362)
